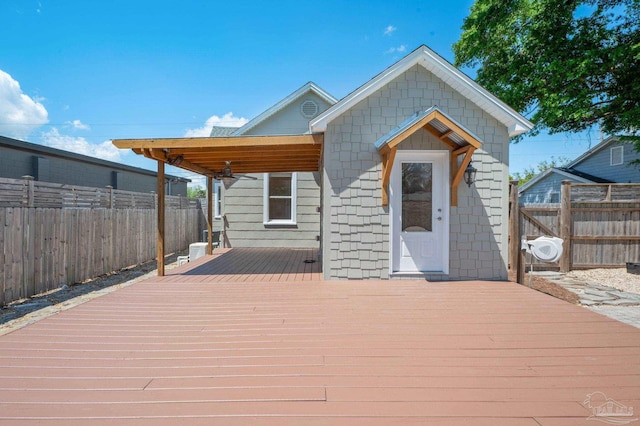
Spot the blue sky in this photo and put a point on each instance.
(76, 74)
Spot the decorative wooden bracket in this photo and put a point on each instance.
(387, 164)
(458, 172)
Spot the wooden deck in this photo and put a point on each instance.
(251, 264)
(187, 350)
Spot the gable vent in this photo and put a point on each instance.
(309, 109)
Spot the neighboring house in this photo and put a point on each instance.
(274, 210)
(388, 189)
(608, 162)
(19, 158)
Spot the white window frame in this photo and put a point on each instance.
(294, 201)
(611, 153)
(217, 199)
(553, 194)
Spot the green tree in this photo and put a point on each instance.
(567, 65)
(530, 172)
(196, 192)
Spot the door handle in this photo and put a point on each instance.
(439, 218)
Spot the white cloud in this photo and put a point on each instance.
(227, 120)
(78, 125)
(19, 114)
(105, 150)
(389, 30)
(399, 49)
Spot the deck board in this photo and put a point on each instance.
(249, 341)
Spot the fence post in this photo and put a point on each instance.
(514, 222)
(110, 189)
(565, 226)
(30, 189)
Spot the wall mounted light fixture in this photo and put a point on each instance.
(470, 174)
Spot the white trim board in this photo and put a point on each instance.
(437, 65)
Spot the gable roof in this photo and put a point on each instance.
(446, 128)
(565, 172)
(222, 131)
(442, 69)
(602, 145)
(592, 178)
(309, 87)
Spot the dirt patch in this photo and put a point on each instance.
(545, 286)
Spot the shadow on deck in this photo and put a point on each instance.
(252, 264)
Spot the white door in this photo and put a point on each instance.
(419, 209)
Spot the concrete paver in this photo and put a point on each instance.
(619, 305)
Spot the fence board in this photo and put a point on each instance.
(604, 224)
(2, 255)
(71, 235)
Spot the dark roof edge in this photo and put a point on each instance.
(35, 148)
(583, 175)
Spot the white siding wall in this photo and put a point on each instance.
(356, 226)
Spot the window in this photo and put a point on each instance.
(554, 197)
(217, 199)
(280, 198)
(617, 155)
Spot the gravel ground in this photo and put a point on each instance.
(617, 278)
(23, 312)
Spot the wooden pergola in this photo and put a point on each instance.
(210, 156)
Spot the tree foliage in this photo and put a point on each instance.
(530, 172)
(196, 192)
(566, 65)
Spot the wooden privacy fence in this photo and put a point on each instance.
(52, 234)
(599, 223)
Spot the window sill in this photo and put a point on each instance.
(280, 224)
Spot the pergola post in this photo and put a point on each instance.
(160, 231)
(209, 214)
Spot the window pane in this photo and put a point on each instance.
(279, 209)
(416, 197)
(219, 200)
(280, 186)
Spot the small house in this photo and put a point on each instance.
(611, 161)
(405, 177)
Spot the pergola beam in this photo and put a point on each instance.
(221, 142)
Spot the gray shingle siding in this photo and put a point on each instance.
(356, 225)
